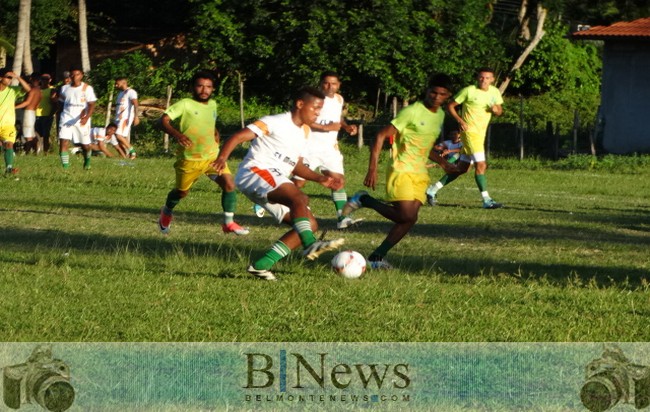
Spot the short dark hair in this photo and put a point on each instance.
(4, 71)
(73, 68)
(308, 93)
(35, 77)
(440, 80)
(111, 124)
(484, 69)
(117, 79)
(329, 73)
(203, 74)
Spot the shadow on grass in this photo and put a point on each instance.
(18, 239)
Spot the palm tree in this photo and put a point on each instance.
(83, 36)
(5, 47)
(22, 35)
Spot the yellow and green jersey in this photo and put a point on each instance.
(418, 129)
(476, 108)
(198, 123)
(7, 102)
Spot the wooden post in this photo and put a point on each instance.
(487, 141)
(377, 102)
(241, 99)
(109, 106)
(166, 136)
(552, 137)
(521, 127)
(360, 136)
(592, 145)
(576, 125)
(394, 107)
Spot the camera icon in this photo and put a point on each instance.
(42, 380)
(612, 378)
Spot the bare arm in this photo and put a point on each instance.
(166, 124)
(451, 107)
(136, 119)
(371, 177)
(244, 135)
(29, 100)
(88, 113)
(306, 173)
(496, 109)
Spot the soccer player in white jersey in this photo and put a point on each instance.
(77, 103)
(126, 114)
(99, 136)
(323, 152)
(277, 145)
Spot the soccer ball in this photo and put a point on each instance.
(349, 264)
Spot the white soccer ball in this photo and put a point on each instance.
(349, 264)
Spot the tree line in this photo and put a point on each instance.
(378, 46)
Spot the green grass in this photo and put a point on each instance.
(81, 259)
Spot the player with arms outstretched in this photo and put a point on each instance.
(277, 145)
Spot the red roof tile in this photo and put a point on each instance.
(625, 29)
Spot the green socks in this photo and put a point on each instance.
(9, 158)
(302, 225)
(340, 198)
(272, 256)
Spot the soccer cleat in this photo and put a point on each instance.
(164, 221)
(261, 273)
(11, 171)
(353, 203)
(347, 222)
(431, 200)
(132, 154)
(319, 247)
(259, 210)
(233, 227)
(491, 204)
(381, 264)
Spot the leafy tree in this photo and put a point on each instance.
(49, 19)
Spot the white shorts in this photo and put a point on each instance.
(257, 183)
(29, 119)
(77, 133)
(124, 129)
(476, 157)
(329, 159)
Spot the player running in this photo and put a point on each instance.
(277, 145)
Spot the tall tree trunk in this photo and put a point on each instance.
(539, 33)
(28, 65)
(21, 35)
(83, 36)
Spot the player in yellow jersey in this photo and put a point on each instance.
(8, 95)
(198, 139)
(479, 102)
(416, 129)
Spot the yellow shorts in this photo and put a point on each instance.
(472, 143)
(407, 186)
(8, 134)
(188, 171)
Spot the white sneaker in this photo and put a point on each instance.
(321, 246)
(259, 210)
(261, 273)
(347, 222)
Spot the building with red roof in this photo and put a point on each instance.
(625, 89)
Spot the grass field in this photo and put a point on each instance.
(81, 259)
